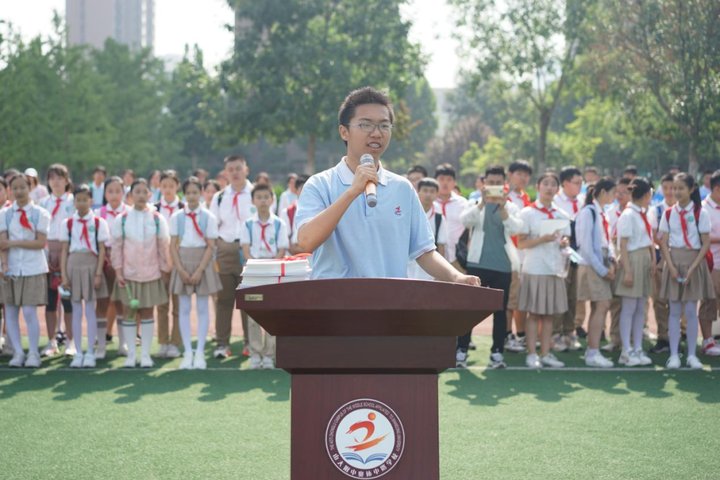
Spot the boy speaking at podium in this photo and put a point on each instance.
(360, 220)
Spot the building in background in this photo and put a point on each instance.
(91, 22)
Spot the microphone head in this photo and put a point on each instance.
(366, 158)
(371, 200)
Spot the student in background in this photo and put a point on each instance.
(210, 188)
(288, 216)
(415, 174)
(477, 193)
(709, 306)
(451, 205)
(97, 186)
(38, 190)
(290, 195)
(428, 189)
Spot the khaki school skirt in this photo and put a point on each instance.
(149, 294)
(591, 286)
(698, 287)
(514, 292)
(641, 268)
(29, 291)
(190, 259)
(81, 267)
(542, 294)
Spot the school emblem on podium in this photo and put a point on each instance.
(365, 439)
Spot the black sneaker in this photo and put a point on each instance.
(580, 332)
(662, 346)
(472, 346)
(108, 338)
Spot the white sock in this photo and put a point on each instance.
(147, 328)
(33, 327)
(592, 352)
(128, 329)
(627, 314)
(638, 324)
(91, 320)
(12, 321)
(77, 325)
(121, 332)
(184, 320)
(203, 313)
(101, 333)
(674, 327)
(691, 316)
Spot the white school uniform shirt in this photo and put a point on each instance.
(451, 210)
(38, 193)
(167, 210)
(77, 242)
(286, 199)
(110, 215)
(98, 194)
(64, 211)
(414, 270)
(655, 213)
(677, 239)
(569, 206)
(546, 258)
(713, 211)
(631, 226)
(25, 262)
(291, 226)
(254, 236)
(231, 217)
(191, 239)
(613, 215)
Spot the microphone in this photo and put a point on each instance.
(370, 188)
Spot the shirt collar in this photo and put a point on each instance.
(711, 202)
(63, 197)
(174, 203)
(88, 216)
(635, 207)
(687, 208)
(187, 209)
(16, 207)
(246, 189)
(539, 205)
(256, 218)
(120, 209)
(346, 175)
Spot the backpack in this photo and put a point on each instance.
(438, 222)
(461, 248)
(97, 225)
(573, 239)
(709, 259)
(34, 217)
(202, 221)
(276, 225)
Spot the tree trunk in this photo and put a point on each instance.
(693, 165)
(310, 165)
(540, 161)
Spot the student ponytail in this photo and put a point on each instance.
(639, 187)
(605, 184)
(689, 180)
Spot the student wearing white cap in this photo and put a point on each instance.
(38, 190)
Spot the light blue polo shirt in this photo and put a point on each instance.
(367, 242)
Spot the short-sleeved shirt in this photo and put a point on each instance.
(264, 238)
(191, 238)
(546, 258)
(367, 242)
(60, 209)
(441, 238)
(451, 210)
(713, 211)
(79, 242)
(571, 206)
(231, 209)
(677, 238)
(631, 225)
(25, 262)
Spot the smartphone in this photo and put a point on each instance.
(494, 191)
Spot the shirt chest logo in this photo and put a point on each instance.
(398, 211)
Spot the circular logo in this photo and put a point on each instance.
(365, 439)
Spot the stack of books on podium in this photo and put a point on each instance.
(270, 271)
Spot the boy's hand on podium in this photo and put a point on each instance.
(471, 280)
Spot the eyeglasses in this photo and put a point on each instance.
(369, 127)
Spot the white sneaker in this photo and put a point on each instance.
(693, 362)
(70, 349)
(608, 347)
(199, 362)
(532, 361)
(558, 343)
(710, 348)
(673, 362)
(255, 361)
(32, 360)
(50, 350)
(497, 361)
(513, 344)
(551, 361)
(222, 352)
(7, 348)
(129, 361)
(122, 350)
(572, 342)
(644, 359)
(77, 361)
(100, 352)
(461, 359)
(172, 352)
(187, 361)
(633, 360)
(18, 360)
(624, 357)
(146, 361)
(162, 353)
(598, 361)
(89, 360)
(268, 363)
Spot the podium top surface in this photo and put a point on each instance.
(368, 307)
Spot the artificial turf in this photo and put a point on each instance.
(229, 422)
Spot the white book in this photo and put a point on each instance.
(256, 281)
(276, 267)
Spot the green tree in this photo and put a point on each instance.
(295, 60)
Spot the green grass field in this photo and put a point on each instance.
(229, 422)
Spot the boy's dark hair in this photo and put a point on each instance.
(300, 181)
(138, 181)
(418, 169)
(198, 172)
(82, 189)
(363, 96)
(445, 169)
(193, 180)
(668, 177)
(234, 158)
(567, 174)
(260, 188)
(61, 171)
(521, 166)
(495, 170)
(100, 169)
(631, 169)
(624, 181)
(171, 174)
(428, 182)
(715, 179)
(639, 187)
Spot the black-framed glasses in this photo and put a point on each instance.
(369, 127)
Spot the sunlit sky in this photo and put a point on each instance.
(180, 22)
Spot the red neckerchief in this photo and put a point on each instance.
(606, 226)
(443, 205)
(193, 217)
(648, 228)
(545, 210)
(170, 209)
(85, 233)
(263, 227)
(24, 219)
(575, 205)
(58, 201)
(235, 204)
(683, 225)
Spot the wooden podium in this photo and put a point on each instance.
(364, 355)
